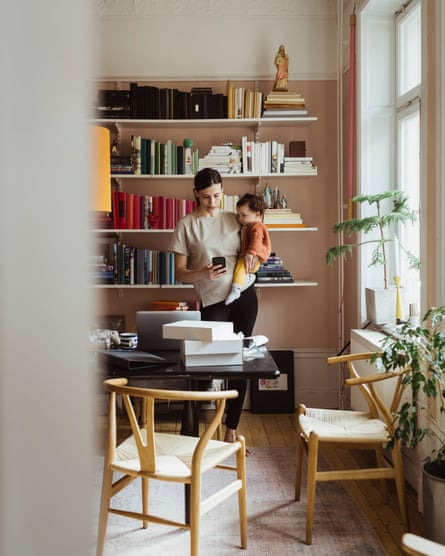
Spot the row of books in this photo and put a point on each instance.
(243, 102)
(130, 265)
(138, 265)
(151, 102)
(152, 157)
(149, 157)
(268, 157)
(273, 271)
(132, 211)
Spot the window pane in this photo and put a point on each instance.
(409, 48)
(409, 182)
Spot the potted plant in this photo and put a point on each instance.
(391, 208)
(421, 350)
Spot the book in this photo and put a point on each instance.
(297, 148)
(131, 360)
(287, 113)
(136, 153)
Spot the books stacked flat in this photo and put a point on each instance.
(161, 305)
(206, 342)
(101, 272)
(284, 104)
(272, 271)
(297, 165)
(121, 165)
(283, 218)
(224, 158)
(113, 104)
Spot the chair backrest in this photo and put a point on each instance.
(143, 428)
(366, 384)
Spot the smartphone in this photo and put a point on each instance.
(219, 260)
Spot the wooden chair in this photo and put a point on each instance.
(169, 457)
(414, 545)
(351, 430)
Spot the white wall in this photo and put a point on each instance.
(45, 383)
(217, 40)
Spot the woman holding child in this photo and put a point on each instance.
(206, 233)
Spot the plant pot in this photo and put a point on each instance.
(434, 500)
(381, 305)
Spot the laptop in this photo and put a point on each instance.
(149, 329)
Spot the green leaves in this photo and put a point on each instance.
(379, 223)
(421, 350)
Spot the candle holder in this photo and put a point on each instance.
(399, 308)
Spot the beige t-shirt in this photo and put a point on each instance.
(200, 239)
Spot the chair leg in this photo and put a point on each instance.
(312, 465)
(380, 459)
(195, 515)
(242, 493)
(400, 483)
(144, 485)
(298, 465)
(103, 511)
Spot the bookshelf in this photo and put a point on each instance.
(205, 133)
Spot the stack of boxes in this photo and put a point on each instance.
(206, 343)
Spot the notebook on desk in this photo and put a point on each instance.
(131, 360)
(149, 329)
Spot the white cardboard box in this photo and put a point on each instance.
(212, 359)
(205, 331)
(196, 347)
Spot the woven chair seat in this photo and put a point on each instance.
(342, 425)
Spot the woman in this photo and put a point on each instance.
(206, 233)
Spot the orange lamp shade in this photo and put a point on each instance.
(101, 186)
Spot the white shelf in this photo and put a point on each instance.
(297, 283)
(224, 176)
(220, 122)
(169, 231)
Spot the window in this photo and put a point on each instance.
(389, 157)
(409, 79)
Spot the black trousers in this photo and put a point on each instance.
(243, 313)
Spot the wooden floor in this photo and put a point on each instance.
(279, 430)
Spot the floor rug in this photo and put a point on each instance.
(276, 521)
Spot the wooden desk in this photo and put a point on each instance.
(175, 375)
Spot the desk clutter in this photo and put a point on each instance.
(204, 343)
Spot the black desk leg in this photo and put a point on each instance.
(190, 419)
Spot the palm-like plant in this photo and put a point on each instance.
(380, 221)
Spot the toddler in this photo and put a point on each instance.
(255, 244)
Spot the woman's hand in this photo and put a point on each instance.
(213, 272)
(208, 272)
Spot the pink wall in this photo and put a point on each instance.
(292, 317)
